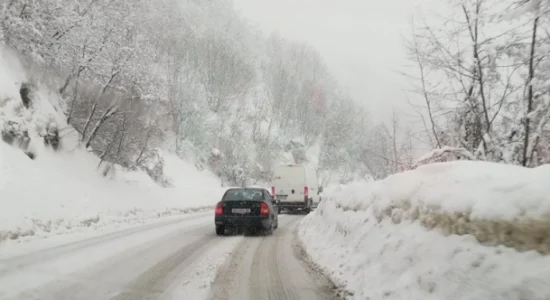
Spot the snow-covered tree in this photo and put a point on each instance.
(482, 79)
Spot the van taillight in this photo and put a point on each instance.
(219, 209)
(306, 191)
(273, 191)
(264, 209)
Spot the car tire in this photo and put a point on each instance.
(268, 231)
(309, 205)
(220, 230)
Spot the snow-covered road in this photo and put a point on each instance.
(178, 258)
(270, 268)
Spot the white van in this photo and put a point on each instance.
(295, 187)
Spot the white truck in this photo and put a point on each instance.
(295, 187)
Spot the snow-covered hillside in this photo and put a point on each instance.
(455, 230)
(63, 190)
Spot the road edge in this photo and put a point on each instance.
(47, 228)
(315, 270)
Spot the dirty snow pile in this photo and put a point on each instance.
(45, 191)
(455, 230)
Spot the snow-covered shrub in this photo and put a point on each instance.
(298, 150)
(20, 120)
(444, 154)
(26, 94)
(51, 136)
(152, 163)
(16, 135)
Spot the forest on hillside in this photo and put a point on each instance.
(194, 78)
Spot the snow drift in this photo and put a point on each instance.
(456, 230)
(47, 189)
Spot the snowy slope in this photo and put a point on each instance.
(62, 191)
(457, 230)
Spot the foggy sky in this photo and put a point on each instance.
(360, 40)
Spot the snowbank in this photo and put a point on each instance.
(58, 193)
(63, 191)
(456, 230)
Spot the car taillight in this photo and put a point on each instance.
(273, 191)
(264, 209)
(306, 191)
(219, 209)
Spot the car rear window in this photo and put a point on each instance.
(243, 194)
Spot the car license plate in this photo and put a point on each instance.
(240, 210)
(282, 197)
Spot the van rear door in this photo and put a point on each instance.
(289, 183)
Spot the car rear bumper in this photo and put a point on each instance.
(288, 204)
(244, 221)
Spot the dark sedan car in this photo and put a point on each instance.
(251, 209)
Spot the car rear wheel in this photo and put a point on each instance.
(268, 231)
(220, 229)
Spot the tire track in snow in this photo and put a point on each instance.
(20, 262)
(227, 284)
(153, 283)
(195, 282)
(103, 275)
(266, 281)
(267, 268)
